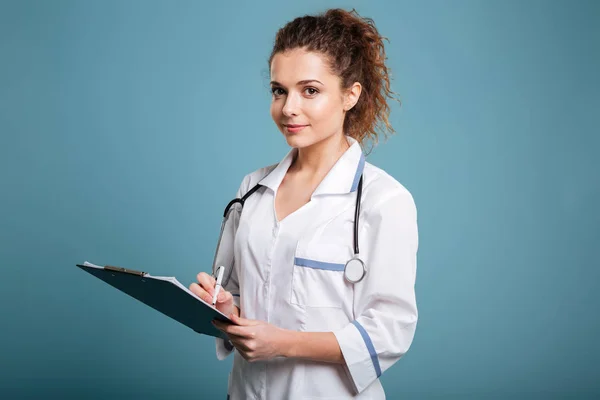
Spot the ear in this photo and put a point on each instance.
(352, 96)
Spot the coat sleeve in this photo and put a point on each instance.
(385, 310)
(225, 257)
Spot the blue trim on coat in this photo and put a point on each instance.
(304, 262)
(370, 347)
(359, 171)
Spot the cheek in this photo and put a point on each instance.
(275, 111)
(323, 110)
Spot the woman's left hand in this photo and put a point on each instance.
(255, 340)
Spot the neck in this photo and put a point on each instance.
(320, 157)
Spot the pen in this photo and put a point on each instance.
(218, 285)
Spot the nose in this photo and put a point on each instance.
(291, 105)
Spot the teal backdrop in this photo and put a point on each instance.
(127, 126)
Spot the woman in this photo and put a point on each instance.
(300, 329)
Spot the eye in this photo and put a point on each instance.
(311, 91)
(275, 92)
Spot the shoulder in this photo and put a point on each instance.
(382, 191)
(252, 178)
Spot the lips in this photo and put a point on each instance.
(294, 128)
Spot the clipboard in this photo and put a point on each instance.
(163, 293)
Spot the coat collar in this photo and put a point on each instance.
(341, 179)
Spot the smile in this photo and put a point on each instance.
(294, 128)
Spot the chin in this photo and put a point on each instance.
(298, 141)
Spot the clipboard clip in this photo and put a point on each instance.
(124, 270)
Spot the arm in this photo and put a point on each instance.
(225, 257)
(385, 307)
(315, 346)
(259, 340)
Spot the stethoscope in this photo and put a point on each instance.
(354, 269)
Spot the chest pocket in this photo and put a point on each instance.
(318, 275)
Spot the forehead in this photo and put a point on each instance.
(296, 65)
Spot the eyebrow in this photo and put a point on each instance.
(304, 82)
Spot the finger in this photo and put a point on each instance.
(243, 321)
(239, 343)
(198, 291)
(219, 325)
(223, 326)
(224, 297)
(244, 354)
(207, 282)
(236, 330)
(235, 336)
(248, 354)
(239, 339)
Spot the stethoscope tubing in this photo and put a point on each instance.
(242, 200)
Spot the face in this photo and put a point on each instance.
(308, 105)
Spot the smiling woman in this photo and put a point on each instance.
(344, 57)
(321, 89)
(301, 327)
(316, 103)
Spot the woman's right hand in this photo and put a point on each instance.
(205, 289)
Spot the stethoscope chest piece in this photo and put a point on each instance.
(354, 270)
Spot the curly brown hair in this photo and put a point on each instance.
(355, 52)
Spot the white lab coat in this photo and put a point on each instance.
(373, 320)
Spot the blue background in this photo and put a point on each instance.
(126, 127)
